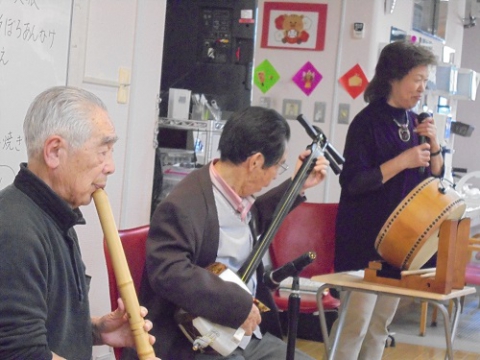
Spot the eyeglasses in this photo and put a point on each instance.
(282, 168)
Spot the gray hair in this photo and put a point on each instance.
(63, 111)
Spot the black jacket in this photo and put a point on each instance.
(44, 289)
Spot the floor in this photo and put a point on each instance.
(399, 352)
(428, 347)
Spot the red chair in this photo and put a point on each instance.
(309, 227)
(133, 241)
(472, 271)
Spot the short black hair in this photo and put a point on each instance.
(395, 62)
(251, 130)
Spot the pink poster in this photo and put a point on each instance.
(307, 78)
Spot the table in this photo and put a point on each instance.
(353, 281)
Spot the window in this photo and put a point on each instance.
(430, 17)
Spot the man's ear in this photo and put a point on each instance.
(52, 150)
(255, 160)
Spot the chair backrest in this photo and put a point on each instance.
(309, 227)
(133, 241)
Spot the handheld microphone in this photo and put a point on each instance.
(273, 278)
(421, 139)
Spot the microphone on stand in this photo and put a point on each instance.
(422, 116)
(273, 278)
(330, 153)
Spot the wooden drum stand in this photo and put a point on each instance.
(451, 263)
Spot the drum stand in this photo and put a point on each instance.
(451, 263)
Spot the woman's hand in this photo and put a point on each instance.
(413, 157)
(416, 156)
(428, 129)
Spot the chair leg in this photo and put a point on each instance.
(478, 292)
(424, 314)
(434, 316)
(450, 308)
(423, 318)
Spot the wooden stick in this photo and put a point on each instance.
(417, 272)
(427, 275)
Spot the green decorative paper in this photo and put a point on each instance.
(265, 76)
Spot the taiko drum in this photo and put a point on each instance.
(409, 237)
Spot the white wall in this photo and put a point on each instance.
(342, 51)
(287, 63)
(467, 149)
(107, 35)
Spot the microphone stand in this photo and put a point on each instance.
(293, 314)
(294, 309)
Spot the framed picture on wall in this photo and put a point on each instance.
(294, 26)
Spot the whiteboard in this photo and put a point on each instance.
(34, 50)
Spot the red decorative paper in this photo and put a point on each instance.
(354, 81)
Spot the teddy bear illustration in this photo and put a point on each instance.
(292, 27)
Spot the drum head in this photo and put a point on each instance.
(409, 237)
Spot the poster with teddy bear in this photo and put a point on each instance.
(296, 26)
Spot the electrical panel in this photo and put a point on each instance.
(208, 49)
(216, 31)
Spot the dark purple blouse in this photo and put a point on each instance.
(366, 203)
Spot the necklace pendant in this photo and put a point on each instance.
(404, 133)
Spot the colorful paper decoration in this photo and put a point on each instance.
(354, 81)
(265, 76)
(307, 78)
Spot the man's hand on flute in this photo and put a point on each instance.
(114, 330)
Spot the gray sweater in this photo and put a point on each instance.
(44, 289)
